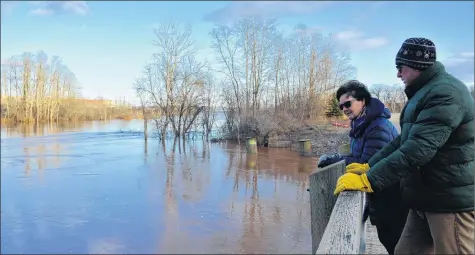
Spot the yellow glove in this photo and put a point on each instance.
(350, 181)
(357, 168)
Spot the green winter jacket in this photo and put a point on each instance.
(434, 154)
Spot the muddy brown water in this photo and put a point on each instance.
(97, 187)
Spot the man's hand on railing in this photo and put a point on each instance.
(350, 181)
(357, 168)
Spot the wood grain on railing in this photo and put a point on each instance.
(322, 184)
(345, 230)
(336, 221)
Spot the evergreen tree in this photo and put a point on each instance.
(333, 109)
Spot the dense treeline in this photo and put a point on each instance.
(36, 88)
(392, 95)
(264, 81)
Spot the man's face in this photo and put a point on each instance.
(407, 74)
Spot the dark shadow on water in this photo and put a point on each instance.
(101, 187)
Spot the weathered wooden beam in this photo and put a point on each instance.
(322, 184)
(345, 231)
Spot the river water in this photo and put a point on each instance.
(97, 187)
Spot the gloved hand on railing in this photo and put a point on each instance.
(350, 181)
(328, 159)
(357, 168)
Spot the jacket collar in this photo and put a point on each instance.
(424, 78)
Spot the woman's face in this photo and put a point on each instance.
(350, 106)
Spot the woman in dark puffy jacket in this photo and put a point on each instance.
(370, 131)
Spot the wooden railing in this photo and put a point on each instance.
(336, 221)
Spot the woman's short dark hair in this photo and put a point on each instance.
(355, 89)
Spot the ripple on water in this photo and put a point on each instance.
(67, 160)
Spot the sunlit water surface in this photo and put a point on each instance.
(97, 187)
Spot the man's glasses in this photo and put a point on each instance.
(399, 68)
(346, 104)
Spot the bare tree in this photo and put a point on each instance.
(210, 103)
(226, 45)
(140, 90)
(174, 79)
(377, 90)
(393, 96)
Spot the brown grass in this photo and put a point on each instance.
(324, 120)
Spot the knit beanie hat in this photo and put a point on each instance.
(417, 53)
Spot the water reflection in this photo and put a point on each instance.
(32, 129)
(97, 188)
(306, 165)
(35, 154)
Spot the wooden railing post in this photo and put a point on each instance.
(336, 221)
(322, 200)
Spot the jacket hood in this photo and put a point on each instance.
(375, 109)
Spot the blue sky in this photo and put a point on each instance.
(106, 44)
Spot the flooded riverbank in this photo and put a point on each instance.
(99, 188)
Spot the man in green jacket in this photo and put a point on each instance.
(433, 157)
